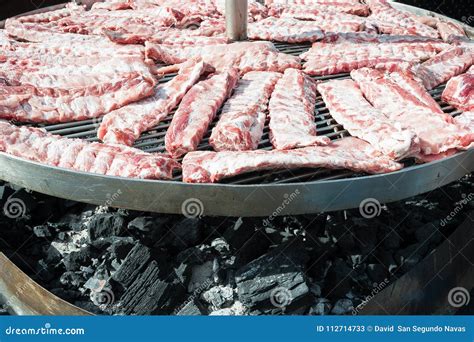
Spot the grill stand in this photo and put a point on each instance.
(236, 17)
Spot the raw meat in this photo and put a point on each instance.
(320, 7)
(347, 106)
(37, 145)
(449, 30)
(287, 30)
(327, 21)
(466, 121)
(444, 66)
(196, 112)
(26, 103)
(382, 12)
(125, 125)
(348, 153)
(436, 131)
(291, 112)
(459, 91)
(246, 56)
(333, 58)
(240, 126)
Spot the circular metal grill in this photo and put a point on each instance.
(252, 194)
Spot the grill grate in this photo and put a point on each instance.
(153, 140)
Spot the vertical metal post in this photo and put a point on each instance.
(236, 19)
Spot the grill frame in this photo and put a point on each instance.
(290, 192)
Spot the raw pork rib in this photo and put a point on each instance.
(246, 56)
(436, 131)
(459, 91)
(287, 30)
(240, 126)
(348, 153)
(125, 125)
(26, 103)
(291, 112)
(449, 30)
(382, 12)
(37, 145)
(197, 110)
(333, 58)
(347, 106)
(466, 121)
(327, 21)
(444, 66)
(321, 6)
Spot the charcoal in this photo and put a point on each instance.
(342, 307)
(69, 295)
(341, 236)
(410, 256)
(52, 256)
(338, 280)
(152, 293)
(184, 234)
(429, 233)
(42, 231)
(72, 279)
(391, 239)
(219, 296)
(5, 192)
(253, 248)
(239, 233)
(315, 289)
(74, 260)
(120, 247)
(322, 306)
(387, 260)
(276, 281)
(377, 273)
(150, 229)
(136, 260)
(190, 309)
(105, 225)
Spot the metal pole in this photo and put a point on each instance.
(236, 19)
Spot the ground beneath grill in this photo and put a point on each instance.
(112, 261)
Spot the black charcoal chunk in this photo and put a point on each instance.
(276, 281)
(106, 225)
(136, 260)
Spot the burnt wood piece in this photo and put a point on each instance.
(276, 282)
(425, 288)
